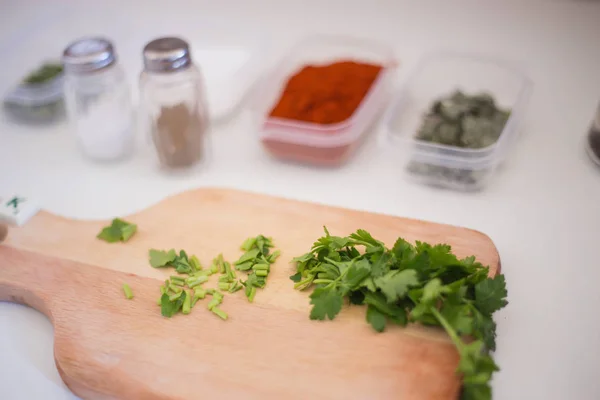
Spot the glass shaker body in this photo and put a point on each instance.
(172, 103)
(98, 101)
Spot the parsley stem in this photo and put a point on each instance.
(252, 294)
(449, 330)
(179, 280)
(175, 296)
(199, 293)
(197, 281)
(224, 286)
(213, 303)
(186, 304)
(261, 272)
(128, 291)
(260, 267)
(218, 312)
(304, 283)
(316, 281)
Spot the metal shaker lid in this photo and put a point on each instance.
(88, 55)
(167, 54)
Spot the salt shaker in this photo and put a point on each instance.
(98, 99)
(172, 102)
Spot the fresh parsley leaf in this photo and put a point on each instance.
(376, 318)
(459, 316)
(369, 284)
(403, 251)
(356, 273)
(433, 290)
(303, 258)
(363, 237)
(297, 277)
(169, 308)
(490, 295)
(422, 283)
(395, 284)
(110, 234)
(485, 330)
(476, 392)
(357, 297)
(393, 311)
(160, 258)
(380, 264)
(250, 255)
(118, 231)
(327, 302)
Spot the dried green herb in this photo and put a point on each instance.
(460, 120)
(43, 74)
(464, 121)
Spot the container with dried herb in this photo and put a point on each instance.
(38, 99)
(464, 121)
(173, 107)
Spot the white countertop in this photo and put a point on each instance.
(542, 209)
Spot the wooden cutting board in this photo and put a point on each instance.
(107, 347)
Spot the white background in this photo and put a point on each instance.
(542, 208)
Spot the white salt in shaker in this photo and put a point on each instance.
(98, 99)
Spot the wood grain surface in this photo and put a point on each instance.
(108, 347)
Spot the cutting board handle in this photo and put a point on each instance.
(24, 282)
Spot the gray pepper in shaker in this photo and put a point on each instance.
(173, 107)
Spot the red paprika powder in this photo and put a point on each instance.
(326, 94)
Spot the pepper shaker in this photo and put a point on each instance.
(172, 103)
(98, 99)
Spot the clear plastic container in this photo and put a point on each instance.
(437, 76)
(324, 145)
(36, 103)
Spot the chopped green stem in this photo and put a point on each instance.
(218, 295)
(179, 280)
(449, 330)
(252, 294)
(303, 283)
(175, 296)
(186, 304)
(317, 281)
(197, 281)
(200, 293)
(220, 313)
(128, 291)
(261, 272)
(224, 286)
(260, 267)
(213, 303)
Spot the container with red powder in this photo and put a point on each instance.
(317, 104)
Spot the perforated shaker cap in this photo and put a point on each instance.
(88, 55)
(167, 54)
